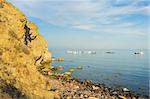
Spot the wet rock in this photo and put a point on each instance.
(67, 73)
(78, 67)
(81, 96)
(122, 97)
(68, 97)
(60, 68)
(50, 73)
(133, 97)
(114, 93)
(71, 70)
(125, 89)
(58, 60)
(92, 98)
(76, 87)
(95, 88)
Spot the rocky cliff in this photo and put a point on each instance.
(22, 51)
(24, 60)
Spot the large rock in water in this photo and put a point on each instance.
(22, 50)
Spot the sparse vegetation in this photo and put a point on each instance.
(1, 51)
(28, 37)
(1, 5)
(13, 34)
(25, 50)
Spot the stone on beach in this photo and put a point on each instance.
(95, 88)
(125, 89)
(122, 97)
(67, 73)
(78, 67)
(71, 70)
(58, 59)
(60, 68)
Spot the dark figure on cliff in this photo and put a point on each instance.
(28, 35)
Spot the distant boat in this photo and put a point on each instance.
(74, 52)
(81, 52)
(139, 53)
(91, 52)
(69, 52)
(110, 52)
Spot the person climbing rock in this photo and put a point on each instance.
(28, 35)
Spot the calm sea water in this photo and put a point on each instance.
(123, 67)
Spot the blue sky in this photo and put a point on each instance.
(90, 24)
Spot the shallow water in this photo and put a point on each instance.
(123, 68)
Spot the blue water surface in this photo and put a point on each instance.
(123, 67)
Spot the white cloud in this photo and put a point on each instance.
(91, 15)
(84, 26)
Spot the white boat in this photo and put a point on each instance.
(74, 52)
(91, 52)
(69, 52)
(139, 53)
(80, 52)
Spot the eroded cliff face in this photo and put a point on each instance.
(22, 51)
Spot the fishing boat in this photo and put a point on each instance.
(139, 53)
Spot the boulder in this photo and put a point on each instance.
(125, 89)
(78, 67)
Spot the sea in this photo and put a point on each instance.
(122, 68)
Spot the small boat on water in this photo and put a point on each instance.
(110, 52)
(90, 52)
(81, 52)
(74, 52)
(139, 53)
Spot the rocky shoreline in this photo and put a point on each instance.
(66, 87)
(25, 71)
(72, 88)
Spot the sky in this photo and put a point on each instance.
(90, 24)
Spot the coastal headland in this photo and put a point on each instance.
(25, 71)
